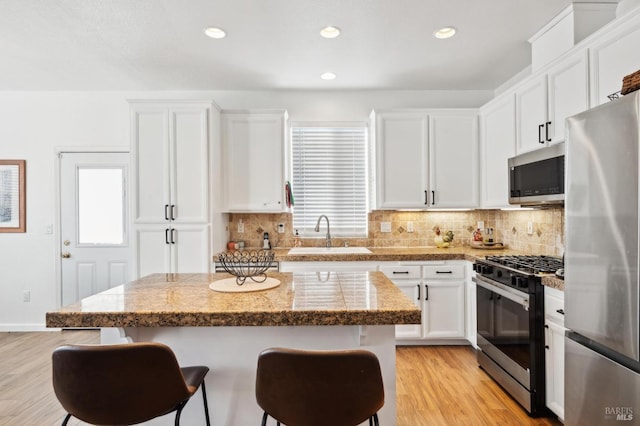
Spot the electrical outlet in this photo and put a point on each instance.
(481, 224)
(281, 228)
(385, 226)
(48, 229)
(26, 296)
(409, 226)
(241, 227)
(530, 228)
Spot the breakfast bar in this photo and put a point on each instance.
(227, 330)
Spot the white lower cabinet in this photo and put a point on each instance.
(554, 350)
(408, 278)
(438, 288)
(171, 249)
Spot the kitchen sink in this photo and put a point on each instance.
(330, 250)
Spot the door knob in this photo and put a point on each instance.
(66, 255)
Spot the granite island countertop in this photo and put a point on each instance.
(185, 300)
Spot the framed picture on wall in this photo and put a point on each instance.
(13, 201)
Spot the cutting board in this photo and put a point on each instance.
(496, 246)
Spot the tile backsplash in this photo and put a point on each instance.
(510, 227)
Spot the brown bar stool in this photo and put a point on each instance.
(319, 388)
(123, 384)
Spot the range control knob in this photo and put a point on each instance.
(518, 281)
(487, 270)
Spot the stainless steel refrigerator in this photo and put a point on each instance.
(602, 359)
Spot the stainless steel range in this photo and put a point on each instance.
(510, 318)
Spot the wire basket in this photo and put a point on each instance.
(247, 264)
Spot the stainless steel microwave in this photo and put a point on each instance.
(536, 178)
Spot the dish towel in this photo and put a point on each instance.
(288, 194)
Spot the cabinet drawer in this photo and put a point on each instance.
(401, 272)
(444, 271)
(554, 305)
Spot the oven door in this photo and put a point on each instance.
(504, 328)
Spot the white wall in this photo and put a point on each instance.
(35, 124)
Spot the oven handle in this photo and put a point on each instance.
(483, 282)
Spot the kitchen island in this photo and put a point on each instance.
(227, 331)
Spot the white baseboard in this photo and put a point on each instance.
(25, 327)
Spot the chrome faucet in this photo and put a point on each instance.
(328, 229)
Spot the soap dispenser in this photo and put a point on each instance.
(266, 244)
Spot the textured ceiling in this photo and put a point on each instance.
(271, 44)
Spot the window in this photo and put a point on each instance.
(329, 165)
(101, 208)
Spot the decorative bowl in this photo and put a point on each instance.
(245, 264)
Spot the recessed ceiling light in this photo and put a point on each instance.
(328, 76)
(330, 32)
(445, 32)
(214, 32)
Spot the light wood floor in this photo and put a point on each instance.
(435, 385)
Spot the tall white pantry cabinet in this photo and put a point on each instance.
(170, 146)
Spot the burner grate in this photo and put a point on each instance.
(529, 264)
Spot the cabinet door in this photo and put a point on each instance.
(190, 249)
(402, 160)
(531, 115)
(189, 170)
(443, 312)
(554, 359)
(497, 144)
(411, 288)
(150, 164)
(568, 93)
(612, 59)
(152, 250)
(453, 144)
(254, 162)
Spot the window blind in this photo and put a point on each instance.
(329, 176)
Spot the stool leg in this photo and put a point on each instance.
(264, 419)
(206, 406)
(179, 411)
(66, 419)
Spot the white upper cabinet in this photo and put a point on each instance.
(614, 56)
(531, 115)
(402, 158)
(426, 159)
(568, 92)
(453, 148)
(497, 144)
(544, 102)
(254, 160)
(170, 146)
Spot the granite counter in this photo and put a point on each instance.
(177, 300)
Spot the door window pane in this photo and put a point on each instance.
(101, 206)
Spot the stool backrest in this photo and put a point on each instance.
(118, 384)
(309, 388)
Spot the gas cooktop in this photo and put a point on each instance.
(529, 264)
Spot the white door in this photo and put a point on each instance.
(94, 233)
